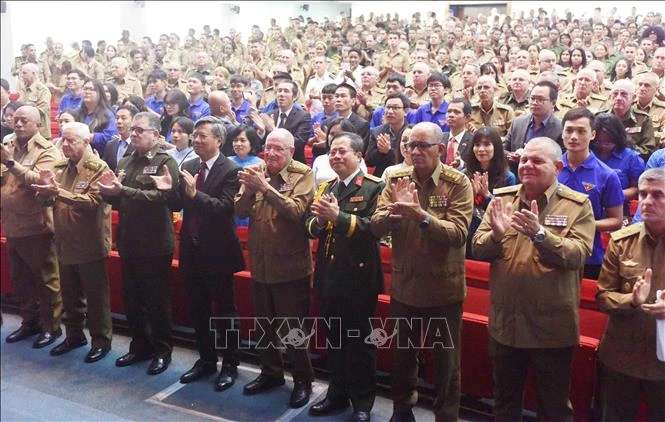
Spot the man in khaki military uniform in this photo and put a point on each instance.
(629, 279)
(83, 241)
(638, 124)
(174, 78)
(488, 112)
(647, 85)
(537, 237)
(428, 208)
(125, 84)
(583, 96)
(276, 196)
(518, 96)
(28, 225)
(33, 92)
(392, 60)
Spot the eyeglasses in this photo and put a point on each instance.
(435, 86)
(538, 100)
(138, 129)
(88, 88)
(394, 107)
(420, 145)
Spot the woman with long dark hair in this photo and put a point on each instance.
(97, 113)
(487, 168)
(175, 105)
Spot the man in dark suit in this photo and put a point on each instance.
(296, 121)
(345, 98)
(209, 250)
(385, 139)
(120, 145)
(540, 122)
(457, 116)
(348, 276)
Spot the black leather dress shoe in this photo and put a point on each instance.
(159, 365)
(262, 383)
(403, 416)
(328, 406)
(69, 344)
(300, 393)
(46, 338)
(361, 416)
(226, 378)
(96, 353)
(22, 333)
(131, 358)
(200, 369)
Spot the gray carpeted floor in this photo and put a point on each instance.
(38, 387)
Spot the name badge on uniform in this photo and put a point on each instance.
(636, 129)
(356, 199)
(556, 220)
(27, 162)
(150, 170)
(285, 187)
(81, 184)
(437, 201)
(588, 186)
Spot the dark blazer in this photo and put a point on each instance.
(348, 261)
(378, 160)
(361, 125)
(514, 140)
(212, 207)
(111, 152)
(465, 146)
(298, 122)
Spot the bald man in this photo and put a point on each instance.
(220, 106)
(35, 93)
(28, 225)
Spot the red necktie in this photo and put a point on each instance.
(450, 154)
(200, 180)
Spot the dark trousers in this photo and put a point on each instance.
(439, 329)
(147, 295)
(33, 267)
(85, 288)
(620, 396)
(353, 363)
(280, 308)
(211, 296)
(551, 369)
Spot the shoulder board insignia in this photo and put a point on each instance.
(61, 163)
(373, 178)
(506, 190)
(405, 172)
(39, 140)
(297, 167)
(322, 189)
(598, 97)
(568, 193)
(503, 106)
(450, 174)
(627, 231)
(93, 165)
(658, 103)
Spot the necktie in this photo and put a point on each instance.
(340, 189)
(70, 177)
(450, 154)
(200, 181)
(202, 173)
(282, 120)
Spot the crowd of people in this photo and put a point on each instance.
(413, 132)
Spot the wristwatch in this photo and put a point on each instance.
(424, 225)
(9, 163)
(539, 237)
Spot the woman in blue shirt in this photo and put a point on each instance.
(487, 168)
(96, 112)
(245, 143)
(610, 146)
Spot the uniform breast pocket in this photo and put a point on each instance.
(630, 272)
(355, 207)
(144, 182)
